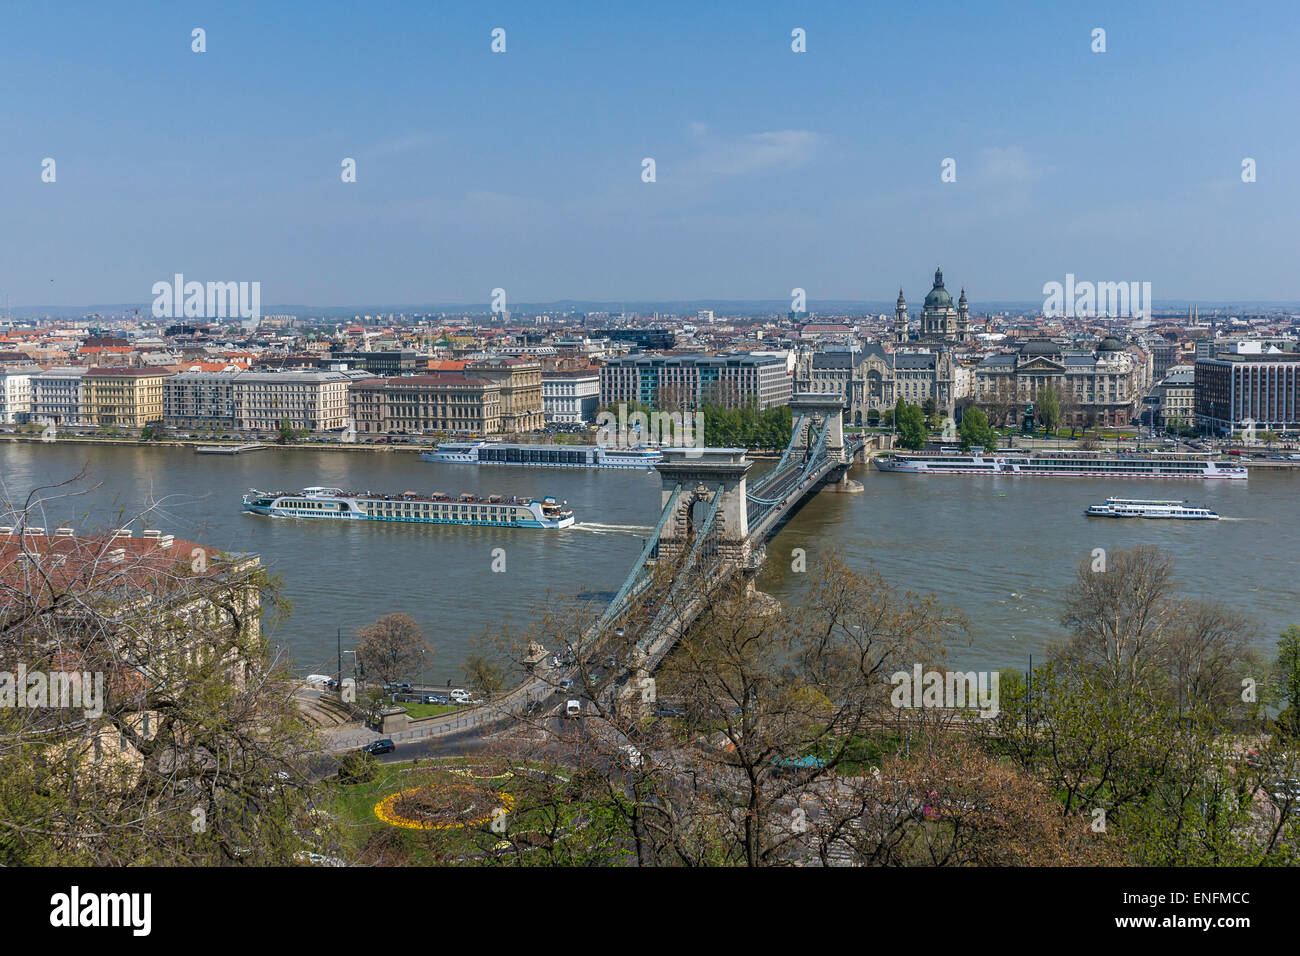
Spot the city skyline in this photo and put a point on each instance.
(523, 169)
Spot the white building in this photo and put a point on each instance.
(571, 396)
(15, 396)
(56, 396)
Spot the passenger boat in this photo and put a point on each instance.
(434, 508)
(1058, 465)
(1146, 508)
(542, 456)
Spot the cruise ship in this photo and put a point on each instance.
(543, 456)
(434, 508)
(1058, 465)
(1146, 508)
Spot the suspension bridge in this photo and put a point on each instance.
(714, 521)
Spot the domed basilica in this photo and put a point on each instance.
(940, 322)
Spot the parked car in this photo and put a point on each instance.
(435, 699)
(376, 747)
(460, 696)
(573, 707)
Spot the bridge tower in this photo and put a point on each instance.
(821, 406)
(701, 472)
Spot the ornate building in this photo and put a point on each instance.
(1100, 386)
(940, 321)
(872, 380)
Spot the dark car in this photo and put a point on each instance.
(532, 709)
(376, 747)
(435, 699)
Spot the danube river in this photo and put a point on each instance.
(1000, 549)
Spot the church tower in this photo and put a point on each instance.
(963, 318)
(900, 318)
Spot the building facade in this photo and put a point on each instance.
(685, 382)
(122, 397)
(415, 404)
(1241, 391)
(872, 380)
(56, 396)
(571, 396)
(519, 381)
(1103, 386)
(15, 396)
(940, 320)
(313, 401)
(1176, 396)
(200, 400)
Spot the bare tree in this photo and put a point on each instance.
(391, 647)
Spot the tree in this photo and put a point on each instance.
(910, 421)
(390, 648)
(1288, 681)
(195, 754)
(287, 432)
(485, 676)
(975, 430)
(1049, 408)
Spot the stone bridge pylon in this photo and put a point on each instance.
(705, 475)
(810, 407)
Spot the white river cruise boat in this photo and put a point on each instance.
(542, 456)
(1145, 508)
(1058, 465)
(434, 508)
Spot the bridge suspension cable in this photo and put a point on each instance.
(616, 606)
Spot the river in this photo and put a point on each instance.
(1000, 549)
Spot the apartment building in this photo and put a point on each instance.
(200, 400)
(15, 395)
(1103, 386)
(673, 382)
(1176, 395)
(56, 396)
(314, 401)
(415, 404)
(123, 397)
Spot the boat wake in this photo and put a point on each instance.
(641, 530)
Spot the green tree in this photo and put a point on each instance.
(287, 432)
(976, 430)
(1049, 408)
(1288, 681)
(912, 432)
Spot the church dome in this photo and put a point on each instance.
(938, 297)
(1110, 344)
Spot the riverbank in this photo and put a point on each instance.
(266, 446)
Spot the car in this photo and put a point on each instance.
(435, 699)
(573, 707)
(383, 746)
(566, 684)
(669, 710)
(533, 708)
(460, 696)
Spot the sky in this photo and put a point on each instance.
(523, 169)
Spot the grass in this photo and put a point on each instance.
(354, 808)
(428, 710)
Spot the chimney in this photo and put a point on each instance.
(151, 533)
(166, 540)
(64, 533)
(117, 556)
(122, 533)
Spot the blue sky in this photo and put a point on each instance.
(523, 170)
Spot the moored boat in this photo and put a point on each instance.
(542, 456)
(1058, 465)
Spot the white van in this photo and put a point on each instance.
(573, 707)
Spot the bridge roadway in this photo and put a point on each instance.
(729, 540)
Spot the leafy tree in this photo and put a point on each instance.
(485, 676)
(1288, 681)
(287, 432)
(976, 430)
(1049, 408)
(912, 432)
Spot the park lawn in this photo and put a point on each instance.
(354, 807)
(428, 710)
